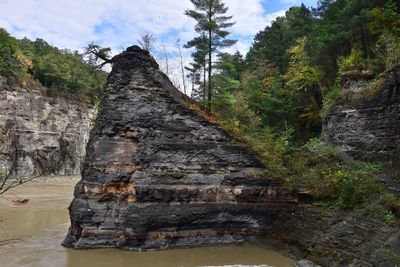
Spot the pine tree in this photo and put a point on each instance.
(199, 65)
(211, 24)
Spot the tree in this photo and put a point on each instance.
(301, 75)
(9, 65)
(178, 44)
(273, 42)
(97, 56)
(303, 84)
(199, 65)
(211, 24)
(147, 41)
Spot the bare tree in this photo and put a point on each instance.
(6, 183)
(182, 67)
(166, 60)
(147, 41)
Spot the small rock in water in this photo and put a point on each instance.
(20, 201)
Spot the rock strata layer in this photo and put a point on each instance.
(368, 128)
(158, 174)
(335, 238)
(41, 135)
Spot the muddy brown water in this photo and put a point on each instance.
(31, 235)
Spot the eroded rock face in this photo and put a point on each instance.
(368, 129)
(44, 135)
(335, 238)
(157, 174)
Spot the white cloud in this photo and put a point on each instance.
(119, 23)
(250, 17)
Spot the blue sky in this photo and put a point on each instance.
(120, 23)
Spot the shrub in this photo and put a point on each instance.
(331, 97)
(352, 62)
(329, 176)
(388, 50)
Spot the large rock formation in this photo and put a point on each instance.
(158, 174)
(368, 128)
(41, 135)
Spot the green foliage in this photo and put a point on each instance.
(301, 76)
(392, 257)
(270, 146)
(273, 42)
(388, 50)
(9, 64)
(211, 25)
(329, 176)
(352, 62)
(386, 216)
(330, 98)
(62, 71)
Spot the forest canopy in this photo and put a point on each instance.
(62, 71)
(298, 66)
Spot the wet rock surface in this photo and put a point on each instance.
(41, 135)
(368, 128)
(158, 174)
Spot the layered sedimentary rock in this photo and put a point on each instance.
(158, 174)
(41, 135)
(368, 128)
(334, 238)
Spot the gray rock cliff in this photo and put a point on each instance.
(41, 135)
(368, 129)
(158, 174)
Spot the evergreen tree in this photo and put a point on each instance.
(199, 66)
(211, 24)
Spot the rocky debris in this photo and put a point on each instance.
(368, 129)
(158, 174)
(41, 135)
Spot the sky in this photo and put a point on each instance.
(118, 24)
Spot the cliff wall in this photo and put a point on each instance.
(41, 135)
(159, 175)
(367, 128)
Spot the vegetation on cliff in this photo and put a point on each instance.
(275, 97)
(297, 68)
(62, 71)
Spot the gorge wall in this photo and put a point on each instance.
(158, 174)
(368, 128)
(41, 135)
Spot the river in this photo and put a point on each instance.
(31, 235)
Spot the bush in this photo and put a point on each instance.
(331, 97)
(329, 176)
(388, 50)
(352, 62)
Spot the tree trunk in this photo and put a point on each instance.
(204, 82)
(209, 56)
(182, 68)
